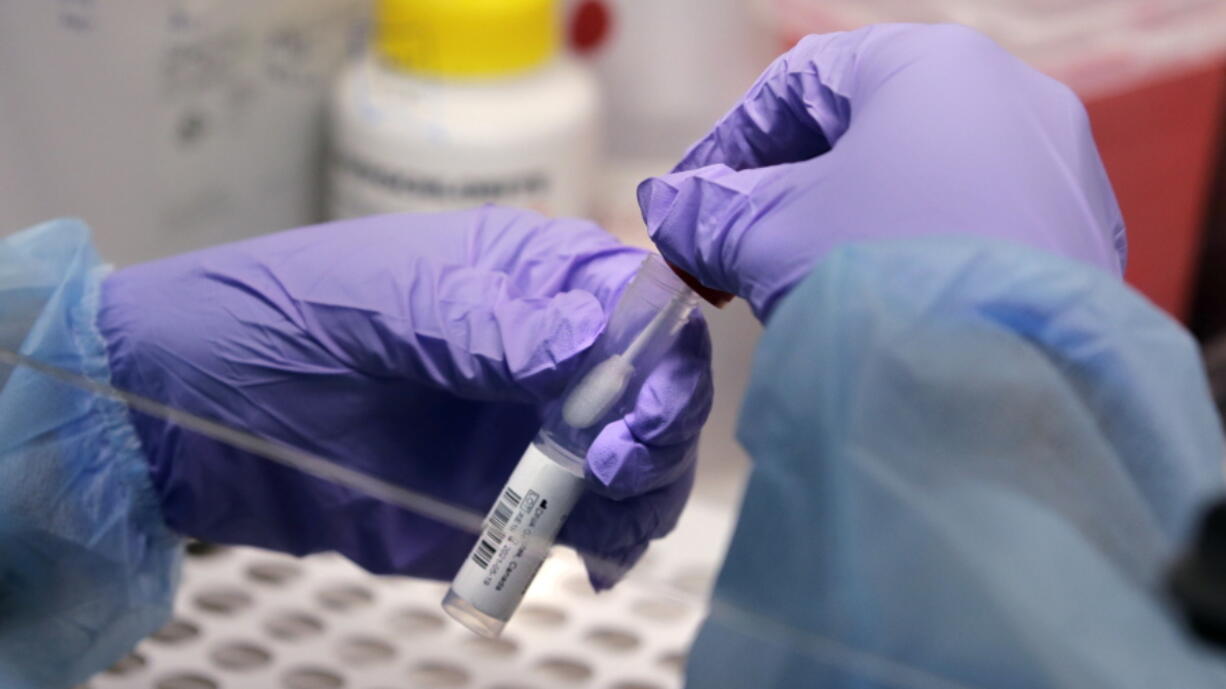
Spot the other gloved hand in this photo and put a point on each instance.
(416, 348)
(888, 131)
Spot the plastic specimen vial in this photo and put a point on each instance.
(524, 521)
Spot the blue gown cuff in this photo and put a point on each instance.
(87, 564)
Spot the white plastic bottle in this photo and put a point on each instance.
(462, 102)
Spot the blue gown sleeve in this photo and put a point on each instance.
(973, 463)
(87, 566)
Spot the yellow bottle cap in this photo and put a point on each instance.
(466, 38)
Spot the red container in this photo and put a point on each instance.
(1160, 142)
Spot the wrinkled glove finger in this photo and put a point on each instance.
(699, 220)
(612, 535)
(544, 256)
(490, 304)
(650, 446)
(812, 95)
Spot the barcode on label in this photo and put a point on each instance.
(495, 532)
(490, 540)
(511, 496)
(505, 508)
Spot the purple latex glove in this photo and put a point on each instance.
(886, 132)
(416, 348)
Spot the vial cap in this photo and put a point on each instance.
(711, 295)
(466, 38)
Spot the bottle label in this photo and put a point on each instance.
(364, 186)
(517, 534)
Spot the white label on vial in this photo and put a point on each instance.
(517, 534)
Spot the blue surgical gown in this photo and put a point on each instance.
(973, 463)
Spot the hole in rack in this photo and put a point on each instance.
(186, 681)
(566, 670)
(437, 675)
(293, 626)
(273, 573)
(659, 609)
(579, 585)
(649, 561)
(364, 650)
(425, 588)
(345, 597)
(673, 661)
(311, 678)
(491, 648)
(613, 640)
(223, 601)
(539, 615)
(128, 665)
(412, 621)
(200, 549)
(695, 580)
(176, 632)
(239, 655)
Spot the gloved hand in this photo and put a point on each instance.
(888, 131)
(416, 348)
